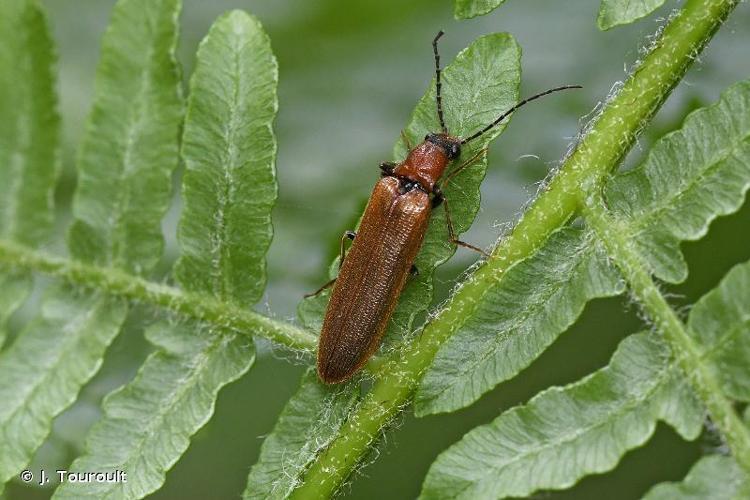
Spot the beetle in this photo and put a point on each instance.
(375, 269)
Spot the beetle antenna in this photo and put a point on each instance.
(511, 110)
(439, 98)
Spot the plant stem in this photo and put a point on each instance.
(686, 351)
(199, 306)
(598, 153)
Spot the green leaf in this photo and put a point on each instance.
(131, 143)
(517, 319)
(616, 12)
(15, 285)
(29, 130)
(308, 423)
(720, 322)
(714, 477)
(125, 168)
(565, 433)
(485, 76)
(229, 149)
(148, 423)
(29, 139)
(43, 370)
(466, 9)
(690, 177)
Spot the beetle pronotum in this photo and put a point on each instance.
(374, 270)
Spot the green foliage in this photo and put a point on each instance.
(518, 303)
(174, 392)
(309, 422)
(715, 477)
(229, 149)
(612, 13)
(663, 205)
(14, 287)
(29, 139)
(720, 322)
(519, 316)
(29, 130)
(125, 170)
(567, 432)
(517, 319)
(616, 12)
(130, 148)
(147, 423)
(43, 370)
(466, 9)
(656, 200)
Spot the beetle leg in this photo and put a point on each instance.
(437, 198)
(347, 235)
(452, 234)
(470, 161)
(406, 140)
(342, 252)
(316, 292)
(386, 168)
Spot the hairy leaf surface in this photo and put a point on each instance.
(477, 87)
(43, 370)
(466, 9)
(131, 144)
(229, 149)
(720, 322)
(148, 422)
(29, 139)
(14, 288)
(29, 130)
(714, 477)
(565, 433)
(517, 319)
(690, 177)
(616, 12)
(125, 169)
(308, 423)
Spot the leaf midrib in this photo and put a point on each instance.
(196, 370)
(485, 354)
(221, 261)
(645, 219)
(62, 354)
(631, 403)
(135, 120)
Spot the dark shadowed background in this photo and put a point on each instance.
(350, 74)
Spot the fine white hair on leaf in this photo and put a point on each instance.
(528, 155)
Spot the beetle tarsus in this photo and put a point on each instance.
(348, 235)
(437, 198)
(316, 292)
(386, 168)
(452, 234)
(406, 140)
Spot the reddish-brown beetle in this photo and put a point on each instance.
(390, 235)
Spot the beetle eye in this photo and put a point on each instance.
(455, 151)
(427, 137)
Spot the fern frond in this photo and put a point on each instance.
(308, 423)
(517, 319)
(125, 169)
(29, 140)
(567, 432)
(229, 189)
(716, 477)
